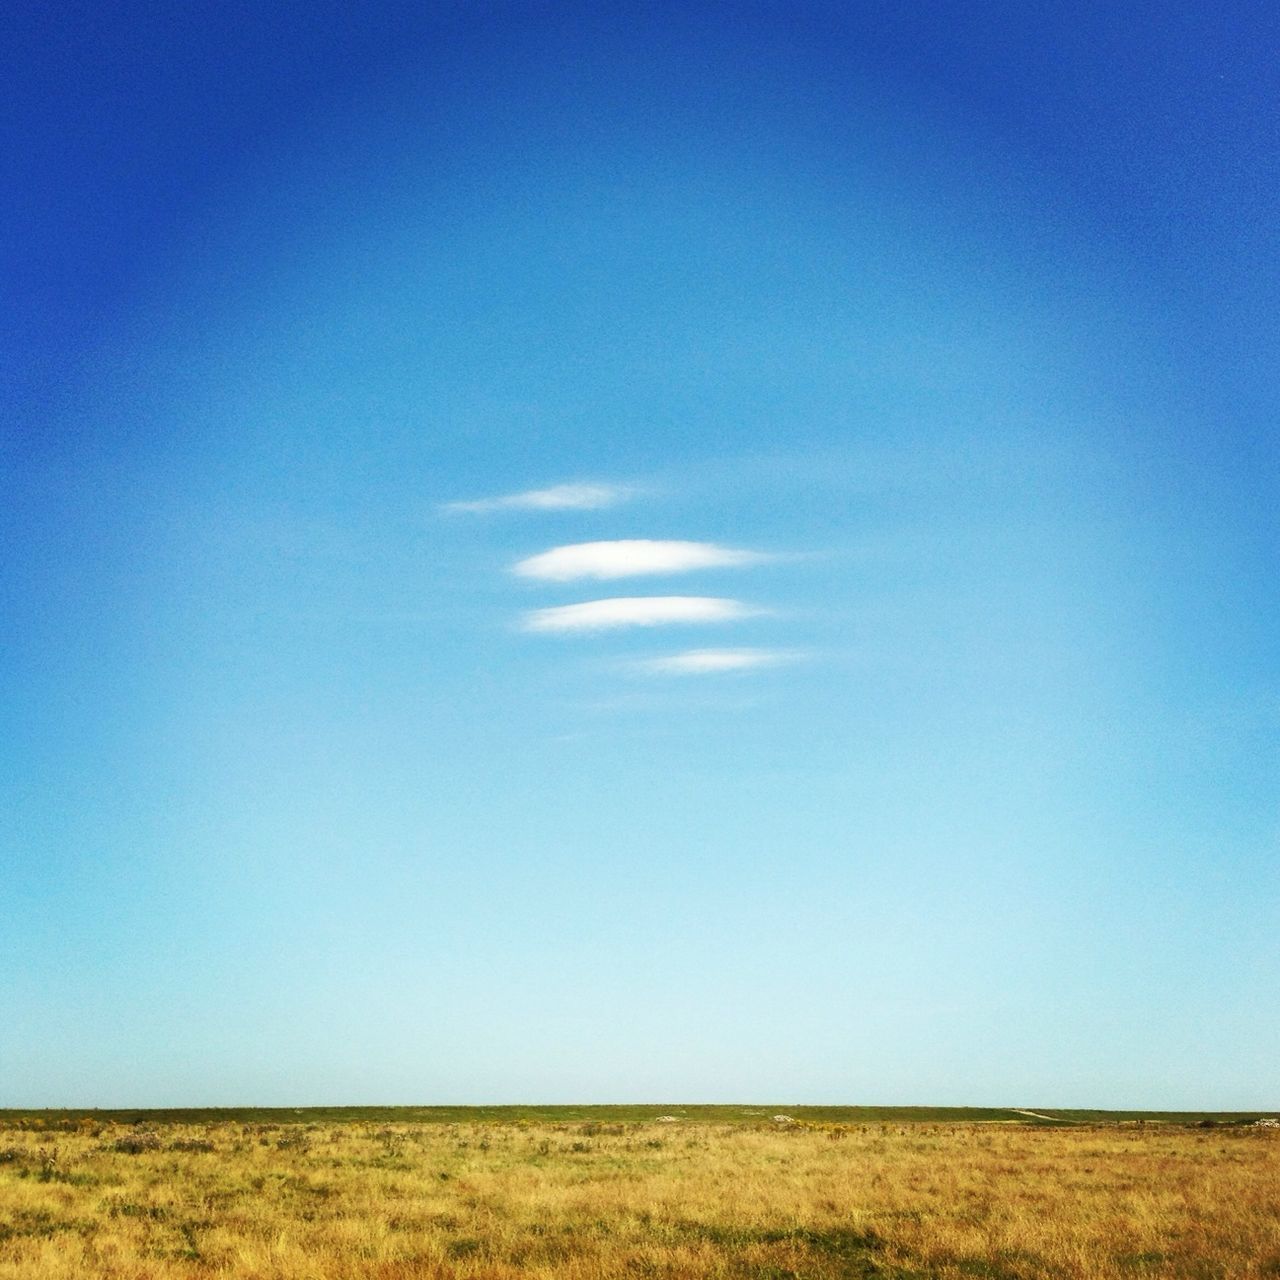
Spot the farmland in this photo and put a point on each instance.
(599, 1192)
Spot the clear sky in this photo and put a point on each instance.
(613, 552)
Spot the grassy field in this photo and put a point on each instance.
(622, 1114)
(621, 1192)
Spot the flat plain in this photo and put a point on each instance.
(740, 1193)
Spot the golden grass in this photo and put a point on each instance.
(295, 1202)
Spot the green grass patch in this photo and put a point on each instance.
(747, 1114)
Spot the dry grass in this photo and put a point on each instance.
(305, 1202)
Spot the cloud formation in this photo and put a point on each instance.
(636, 611)
(559, 497)
(695, 662)
(630, 557)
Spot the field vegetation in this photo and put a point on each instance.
(737, 1194)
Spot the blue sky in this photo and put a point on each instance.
(357, 364)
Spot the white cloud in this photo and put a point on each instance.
(629, 558)
(636, 611)
(708, 661)
(560, 497)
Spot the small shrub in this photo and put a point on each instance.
(191, 1144)
(135, 1144)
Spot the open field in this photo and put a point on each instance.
(736, 1114)
(617, 1192)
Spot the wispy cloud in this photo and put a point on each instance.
(630, 557)
(559, 497)
(637, 611)
(696, 662)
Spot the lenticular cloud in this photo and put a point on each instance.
(694, 662)
(559, 497)
(630, 557)
(636, 611)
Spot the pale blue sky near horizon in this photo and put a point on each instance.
(964, 326)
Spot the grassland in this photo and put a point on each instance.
(599, 1192)
(623, 1114)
